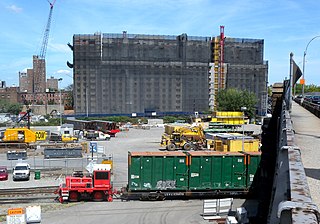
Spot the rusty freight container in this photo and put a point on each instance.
(155, 171)
(210, 170)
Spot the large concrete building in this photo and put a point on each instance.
(246, 68)
(238, 63)
(132, 73)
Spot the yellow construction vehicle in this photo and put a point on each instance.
(19, 135)
(183, 137)
(68, 138)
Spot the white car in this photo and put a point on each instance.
(21, 171)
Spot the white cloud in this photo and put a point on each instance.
(14, 8)
(63, 48)
(63, 72)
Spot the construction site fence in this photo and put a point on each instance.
(65, 166)
(146, 114)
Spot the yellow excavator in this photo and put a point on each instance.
(183, 137)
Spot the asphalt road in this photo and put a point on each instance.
(129, 212)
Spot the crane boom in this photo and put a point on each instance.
(46, 33)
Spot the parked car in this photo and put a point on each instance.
(308, 98)
(315, 99)
(21, 171)
(3, 173)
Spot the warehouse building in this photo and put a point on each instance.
(133, 73)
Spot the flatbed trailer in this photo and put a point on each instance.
(181, 195)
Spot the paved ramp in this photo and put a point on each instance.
(307, 138)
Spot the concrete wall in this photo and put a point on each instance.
(44, 109)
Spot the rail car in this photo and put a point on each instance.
(108, 127)
(192, 174)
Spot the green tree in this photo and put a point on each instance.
(307, 88)
(12, 108)
(233, 100)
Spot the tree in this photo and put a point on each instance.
(233, 100)
(307, 88)
(12, 108)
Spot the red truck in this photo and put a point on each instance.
(97, 187)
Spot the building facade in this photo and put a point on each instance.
(26, 81)
(132, 73)
(8, 94)
(52, 84)
(39, 74)
(246, 68)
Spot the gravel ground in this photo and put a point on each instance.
(118, 147)
(307, 138)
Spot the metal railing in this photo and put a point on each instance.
(312, 107)
(290, 200)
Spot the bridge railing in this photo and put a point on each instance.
(312, 107)
(291, 201)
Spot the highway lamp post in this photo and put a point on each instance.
(304, 63)
(243, 109)
(60, 102)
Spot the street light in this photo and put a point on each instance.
(304, 62)
(60, 103)
(243, 109)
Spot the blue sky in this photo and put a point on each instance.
(285, 25)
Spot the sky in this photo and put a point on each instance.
(285, 25)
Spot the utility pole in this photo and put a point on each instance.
(243, 109)
(303, 66)
(60, 102)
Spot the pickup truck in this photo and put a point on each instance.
(96, 135)
(68, 138)
(21, 171)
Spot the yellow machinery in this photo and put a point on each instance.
(41, 135)
(228, 117)
(224, 117)
(68, 138)
(183, 137)
(233, 142)
(19, 135)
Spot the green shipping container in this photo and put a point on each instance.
(211, 170)
(157, 171)
(253, 161)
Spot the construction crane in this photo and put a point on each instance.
(39, 66)
(46, 33)
(221, 59)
